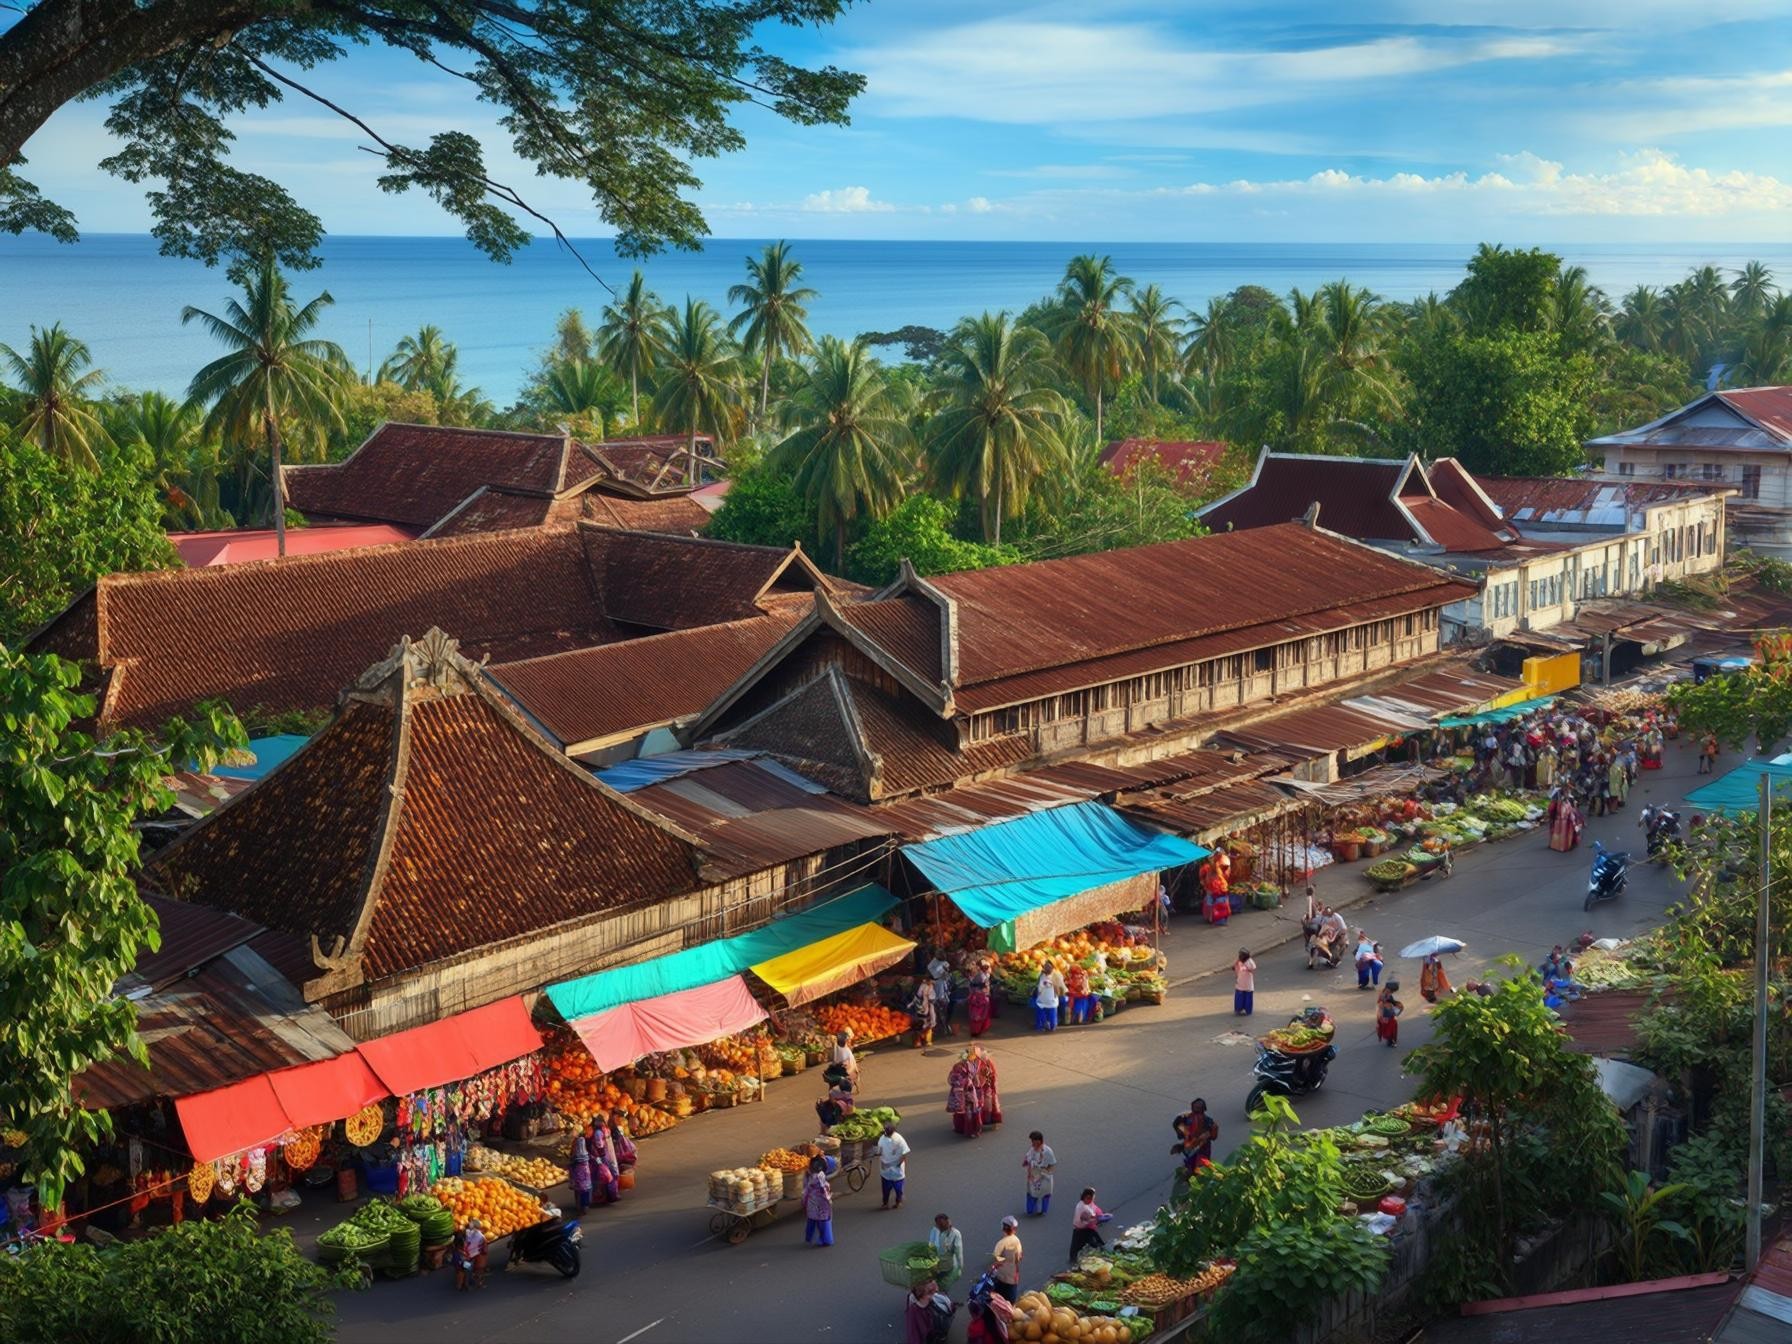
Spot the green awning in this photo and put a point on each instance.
(1740, 789)
(1506, 715)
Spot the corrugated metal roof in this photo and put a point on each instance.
(1687, 1316)
(1615, 504)
(1209, 814)
(1355, 496)
(192, 935)
(1605, 1023)
(1768, 406)
(1748, 418)
(232, 1019)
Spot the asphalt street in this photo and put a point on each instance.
(1103, 1095)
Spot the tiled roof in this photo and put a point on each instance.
(1247, 585)
(1449, 527)
(656, 462)
(907, 627)
(664, 582)
(283, 635)
(424, 822)
(671, 513)
(1186, 459)
(413, 475)
(587, 694)
(233, 546)
(1355, 496)
(908, 750)
(491, 510)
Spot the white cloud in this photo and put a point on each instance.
(1694, 104)
(979, 205)
(844, 201)
(1031, 72)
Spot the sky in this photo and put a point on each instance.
(1554, 121)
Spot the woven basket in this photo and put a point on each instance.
(720, 1101)
(793, 1184)
(656, 1089)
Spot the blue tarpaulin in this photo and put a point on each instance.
(1740, 789)
(713, 962)
(627, 776)
(998, 873)
(269, 752)
(1505, 715)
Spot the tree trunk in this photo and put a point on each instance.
(273, 431)
(840, 545)
(1098, 417)
(1501, 1239)
(765, 382)
(996, 538)
(634, 398)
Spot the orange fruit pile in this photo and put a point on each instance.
(866, 1022)
(498, 1205)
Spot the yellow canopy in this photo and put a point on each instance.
(833, 963)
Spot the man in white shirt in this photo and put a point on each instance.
(1005, 1260)
(948, 1242)
(892, 1161)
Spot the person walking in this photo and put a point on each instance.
(987, 1093)
(1004, 1267)
(1085, 1224)
(977, 1001)
(1433, 981)
(1387, 1014)
(818, 1204)
(1039, 1162)
(947, 1243)
(1708, 753)
(1196, 1133)
(1244, 983)
(922, 1014)
(941, 971)
(579, 1172)
(892, 1163)
(963, 1101)
(1045, 1000)
(1368, 960)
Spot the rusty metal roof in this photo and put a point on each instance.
(192, 935)
(1605, 1023)
(1683, 1315)
(1213, 813)
(231, 1019)
(1757, 418)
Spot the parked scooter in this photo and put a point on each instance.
(553, 1242)
(1663, 829)
(1287, 1075)
(1610, 871)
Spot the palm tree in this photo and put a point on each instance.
(578, 387)
(632, 339)
(1684, 328)
(844, 454)
(1211, 339)
(1752, 289)
(462, 405)
(1431, 316)
(1307, 310)
(1093, 335)
(698, 388)
(163, 432)
(1643, 319)
(1582, 314)
(274, 372)
(424, 362)
(1767, 351)
(997, 417)
(1154, 333)
(53, 374)
(775, 313)
(1710, 295)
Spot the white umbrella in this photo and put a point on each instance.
(1426, 947)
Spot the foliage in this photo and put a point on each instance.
(1638, 1214)
(582, 395)
(917, 530)
(1508, 290)
(1752, 704)
(57, 414)
(1510, 404)
(1275, 1178)
(1504, 1055)
(71, 921)
(919, 344)
(367, 406)
(698, 390)
(762, 507)
(1706, 1170)
(774, 313)
(632, 339)
(60, 529)
(621, 98)
(1093, 334)
(200, 1281)
(1099, 511)
(1288, 1271)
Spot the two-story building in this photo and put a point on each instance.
(1737, 438)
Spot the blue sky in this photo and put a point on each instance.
(1407, 120)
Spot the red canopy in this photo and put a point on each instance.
(331, 1090)
(454, 1048)
(619, 1036)
(230, 1119)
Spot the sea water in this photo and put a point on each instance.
(117, 294)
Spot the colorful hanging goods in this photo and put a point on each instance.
(258, 1170)
(201, 1180)
(364, 1126)
(302, 1149)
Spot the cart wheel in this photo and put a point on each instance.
(741, 1230)
(719, 1224)
(764, 1218)
(855, 1179)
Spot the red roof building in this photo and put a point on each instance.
(232, 546)
(1189, 461)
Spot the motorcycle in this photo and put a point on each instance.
(1610, 871)
(1285, 1075)
(1663, 829)
(554, 1242)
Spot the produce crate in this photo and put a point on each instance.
(894, 1266)
(721, 1101)
(814, 1057)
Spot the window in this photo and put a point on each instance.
(1751, 482)
(1670, 471)
(1712, 471)
(1626, 468)
(1263, 660)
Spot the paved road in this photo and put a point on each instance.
(1102, 1095)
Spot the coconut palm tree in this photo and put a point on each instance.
(1752, 289)
(1154, 333)
(1307, 311)
(1351, 331)
(1430, 317)
(632, 338)
(775, 314)
(55, 376)
(1684, 329)
(1710, 295)
(582, 389)
(844, 454)
(424, 362)
(1643, 319)
(165, 433)
(1767, 350)
(1211, 340)
(1582, 314)
(272, 374)
(1093, 334)
(997, 417)
(699, 376)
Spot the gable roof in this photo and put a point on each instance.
(1185, 459)
(491, 509)
(426, 820)
(667, 582)
(1543, 500)
(413, 475)
(232, 546)
(1736, 418)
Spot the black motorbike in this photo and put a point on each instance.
(1610, 871)
(1286, 1075)
(1663, 830)
(554, 1242)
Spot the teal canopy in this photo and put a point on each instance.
(997, 873)
(1505, 715)
(1740, 789)
(713, 962)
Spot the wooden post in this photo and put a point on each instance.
(1757, 1082)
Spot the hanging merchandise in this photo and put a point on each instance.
(257, 1173)
(201, 1180)
(229, 1174)
(364, 1126)
(303, 1148)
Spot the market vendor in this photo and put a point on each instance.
(1076, 983)
(834, 1107)
(843, 1065)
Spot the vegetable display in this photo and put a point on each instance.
(867, 1124)
(1037, 1318)
(1299, 1040)
(867, 1022)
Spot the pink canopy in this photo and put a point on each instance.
(619, 1036)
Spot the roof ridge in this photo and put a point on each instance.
(687, 538)
(687, 631)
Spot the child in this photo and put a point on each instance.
(1387, 1014)
(1244, 983)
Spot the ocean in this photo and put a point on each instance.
(116, 293)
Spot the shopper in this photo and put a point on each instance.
(892, 1161)
(579, 1172)
(818, 1204)
(947, 1243)
(1004, 1267)
(1084, 1225)
(1433, 981)
(1045, 1000)
(922, 1014)
(977, 1001)
(1196, 1133)
(1244, 983)
(1387, 1014)
(1039, 1162)
(963, 1102)
(1708, 753)
(941, 971)
(1076, 984)
(843, 1065)
(1368, 960)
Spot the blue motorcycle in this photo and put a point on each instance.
(1610, 871)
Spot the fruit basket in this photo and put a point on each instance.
(910, 1265)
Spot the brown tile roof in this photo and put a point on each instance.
(672, 513)
(1451, 528)
(907, 627)
(643, 462)
(414, 475)
(489, 510)
(664, 582)
(906, 745)
(427, 820)
(1355, 496)
(283, 635)
(1188, 460)
(589, 694)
